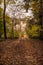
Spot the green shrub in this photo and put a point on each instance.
(34, 32)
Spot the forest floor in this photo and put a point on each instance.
(21, 52)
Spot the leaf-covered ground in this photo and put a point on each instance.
(21, 52)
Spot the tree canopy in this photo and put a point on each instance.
(16, 13)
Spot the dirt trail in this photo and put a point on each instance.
(21, 52)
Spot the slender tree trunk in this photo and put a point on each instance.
(40, 18)
(40, 13)
(13, 28)
(4, 23)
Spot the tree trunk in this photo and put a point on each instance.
(40, 19)
(4, 23)
(13, 28)
(40, 13)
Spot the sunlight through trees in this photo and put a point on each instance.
(15, 12)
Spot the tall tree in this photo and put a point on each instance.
(40, 17)
(4, 19)
(41, 12)
(6, 2)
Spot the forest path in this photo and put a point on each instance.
(21, 52)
